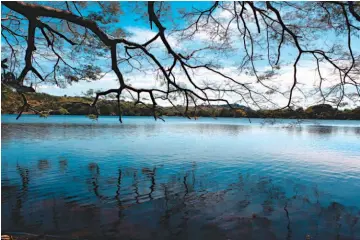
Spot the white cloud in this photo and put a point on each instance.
(142, 35)
(107, 82)
(307, 80)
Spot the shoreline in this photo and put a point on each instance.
(192, 118)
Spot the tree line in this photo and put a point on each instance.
(61, 43)
(46, 104)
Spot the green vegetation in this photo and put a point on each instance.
(47, 104)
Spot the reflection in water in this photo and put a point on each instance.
(177, 208)
(65, 131)
(63, 165)
(151, 175)
(43, 165)
(24, 174)
(180, 180)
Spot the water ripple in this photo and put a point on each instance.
(208, 178)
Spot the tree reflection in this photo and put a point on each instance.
(43, 164)
(117, 195)
(63, 164)
(150, 174)
(50, 131)
(24, 175)
(20, 196)
(249, 208)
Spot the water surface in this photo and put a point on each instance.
(222, 178)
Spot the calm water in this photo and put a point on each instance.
(72, 177)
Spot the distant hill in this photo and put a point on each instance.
(56, 105)
(237, 106)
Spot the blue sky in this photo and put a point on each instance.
(139, 31)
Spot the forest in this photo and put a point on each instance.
(45, 104)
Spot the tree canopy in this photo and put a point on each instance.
(221, 53)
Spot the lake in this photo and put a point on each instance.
(226, 178)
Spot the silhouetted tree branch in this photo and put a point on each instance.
(248, 30)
